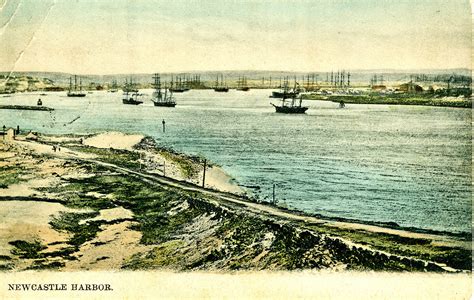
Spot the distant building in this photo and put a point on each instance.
(32, 136)
(410, 87)
(10, 134)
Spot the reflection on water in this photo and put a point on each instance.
(406, 164)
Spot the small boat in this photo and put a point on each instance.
(159, 98)
(75, 92)
(223, 88)
(290, 106)
(39, 103)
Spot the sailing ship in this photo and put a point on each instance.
(242, 84)
(75, 92)
(130, 94)
(289, 105)
(159, 98)
(131, 98)
(114, 87)
(222, 87)
(285, 91)
(181, 85)
(130, 86)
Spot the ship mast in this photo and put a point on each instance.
(157, 85)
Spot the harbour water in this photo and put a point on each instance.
(405, 164)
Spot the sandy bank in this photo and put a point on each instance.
(116, 140)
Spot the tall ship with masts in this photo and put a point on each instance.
(291, 105)
(130, 86)
(114, 87)
(285, 90)
(130, 94)
(74, 90)
(179, 85)
(242, 84)
(163, 99)
(222, 87)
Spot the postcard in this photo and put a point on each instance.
(271, 149)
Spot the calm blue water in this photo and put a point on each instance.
(405, 164)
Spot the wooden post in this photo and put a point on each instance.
(274, 202)
(164, 168)
(163, 122)
(204, 173)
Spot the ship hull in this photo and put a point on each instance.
(284, 95)
(165, 104)
(244, 89)
(131, 102)
(76, 94)
(221, 90)
(179, 90)
(290, 110)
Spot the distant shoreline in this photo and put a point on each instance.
(24, 107)
(436, 102)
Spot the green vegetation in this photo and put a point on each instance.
(43, 265)
(6, 267)
(73, 193)
(396, 99)
(186, 164)
(412, 247)
(25, 249)
(10, 175)
(241, 234)
(123, 158)
(82, 231)
(190, 230)
(163, 255)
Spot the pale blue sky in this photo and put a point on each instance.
(123, 36)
